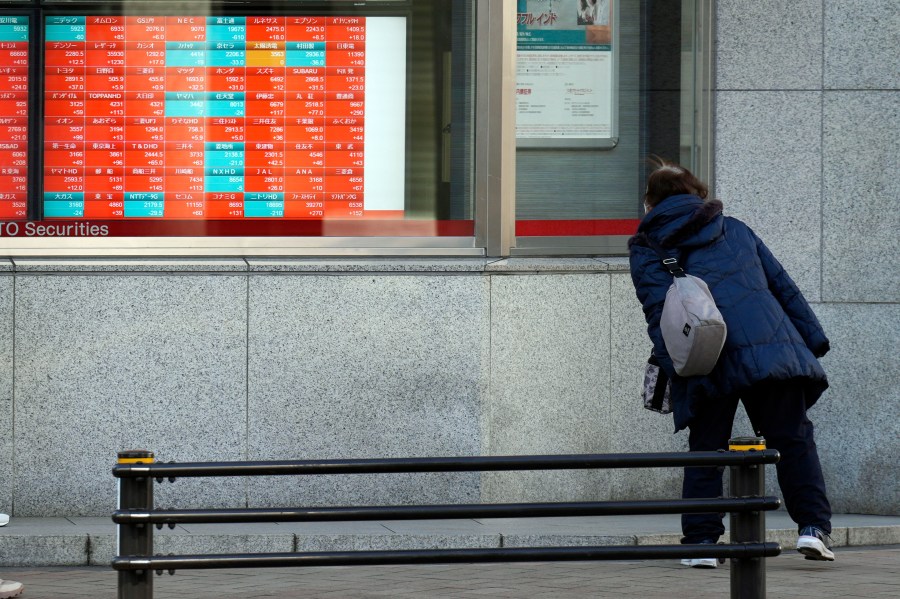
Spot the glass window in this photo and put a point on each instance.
(236, 120)
(314, 127)
(601, 85)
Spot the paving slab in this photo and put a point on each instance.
(36, 542)
(857, 573)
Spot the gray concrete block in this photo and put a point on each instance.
(550, 265)
(366, 265)
(202, 539)
(858, 419)
(201, 544)
(324, 542)
(306, 543)
(36, 551)
(103, 549)
(209, 539)
(300, 529)
(33, 542)
(130, 265)
(365, 367)
(865, 536)
(618, 264)
(107, 363)
(786, 537)
(462, 527)
(769, 45)
(550, 540)
(768, 174)
(840, 536)
(860, 217)
(549, 382)
(861, 43)
(424, 542)
(672, 538)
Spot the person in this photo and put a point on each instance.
(769, 360)
(9, 588)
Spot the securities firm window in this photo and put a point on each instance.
(600, 86)
(234, 124)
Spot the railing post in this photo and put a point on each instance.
(748, 575)
(135, 539)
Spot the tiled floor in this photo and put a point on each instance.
(858, 573)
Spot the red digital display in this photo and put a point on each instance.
(222, 117)
(13, 117)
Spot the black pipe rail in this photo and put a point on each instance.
(136, 516)
(449, 464)
(447, 556)
(456, 511)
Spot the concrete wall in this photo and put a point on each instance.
(259, 360)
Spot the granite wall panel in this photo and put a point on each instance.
(106, 363)
(550, 347)
(860, 216)
(858, 418)
(364, 367)
(861, 41)
(772, 45)
(768, 174)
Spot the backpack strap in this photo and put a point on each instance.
(669, 262)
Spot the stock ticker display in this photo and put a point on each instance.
(13, 117)
(203, 117)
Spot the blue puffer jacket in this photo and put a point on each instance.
(773, 334)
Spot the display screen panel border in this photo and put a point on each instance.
(213, 226)
(366, 238)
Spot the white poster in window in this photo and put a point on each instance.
(565, 82)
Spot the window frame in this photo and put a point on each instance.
(236, 246)
(493, 156)
(699, 40)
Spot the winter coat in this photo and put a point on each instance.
(773, 334)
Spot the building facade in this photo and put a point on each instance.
(490, 339)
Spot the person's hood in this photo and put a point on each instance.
(683, 221)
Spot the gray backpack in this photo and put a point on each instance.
(692, 326)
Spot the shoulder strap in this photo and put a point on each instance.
(669, 262)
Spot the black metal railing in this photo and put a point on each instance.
(135, 517)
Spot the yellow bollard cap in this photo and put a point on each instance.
(136, 456)
(746, 444)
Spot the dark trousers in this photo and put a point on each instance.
(777, 411)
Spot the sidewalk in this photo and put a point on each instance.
(75, 553)
(42, 542)
(857, 573)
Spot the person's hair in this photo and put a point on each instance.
(670, 179)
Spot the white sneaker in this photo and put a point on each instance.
(9, 588)
(701, 562)
(4, 519)
(815, 544)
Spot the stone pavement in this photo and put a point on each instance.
(858, 572)
(39, 542)
(66, 558)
